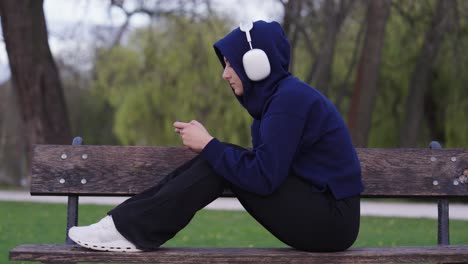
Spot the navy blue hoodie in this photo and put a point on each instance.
(296, 130)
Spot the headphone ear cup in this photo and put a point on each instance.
(256, 64)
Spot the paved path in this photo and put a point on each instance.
(409, 210)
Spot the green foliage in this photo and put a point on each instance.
(170, 73)
(400, 52)
(91, 117)
(406, 30)
(405, 33)
(448, 87)
(450, 90)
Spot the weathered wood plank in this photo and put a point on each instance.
(413, 172)
(127, 170)
(106, 170)
(71, 253)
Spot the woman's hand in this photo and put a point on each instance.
(194, 135)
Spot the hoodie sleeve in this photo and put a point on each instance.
(255, 133)
(264, 168)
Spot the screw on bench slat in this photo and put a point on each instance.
(443, 235)
(72, 207)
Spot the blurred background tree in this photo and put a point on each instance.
(35, 77)
(394, 69)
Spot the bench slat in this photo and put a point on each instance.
(127, 170)
(108, 170)
(73, 253)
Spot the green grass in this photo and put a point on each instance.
(22, 223)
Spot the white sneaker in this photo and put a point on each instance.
(101, 236)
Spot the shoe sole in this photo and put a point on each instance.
(104, 247)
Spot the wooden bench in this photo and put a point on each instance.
(80, 170)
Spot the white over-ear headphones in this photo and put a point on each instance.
(256, 63)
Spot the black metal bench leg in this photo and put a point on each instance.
(72, 216)
(443, 235)
(72, 207)
(443, 232)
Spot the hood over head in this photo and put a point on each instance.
(268, 37)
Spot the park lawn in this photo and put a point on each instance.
(22, 223)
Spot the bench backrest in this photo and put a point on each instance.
(127, 170)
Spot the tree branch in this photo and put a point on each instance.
(405, 15)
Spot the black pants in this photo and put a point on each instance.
(299, 217)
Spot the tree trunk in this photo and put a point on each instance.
(320, 73)
(13, 167)
(365, 86)
(34, 73)
(432, 113)
(291, 24)
(421, 75)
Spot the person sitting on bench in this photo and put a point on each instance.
(301, 180)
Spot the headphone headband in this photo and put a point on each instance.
(246, 27)
(255, 61)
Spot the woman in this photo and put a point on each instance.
(301, 180)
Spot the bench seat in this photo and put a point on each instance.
(73, 253)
